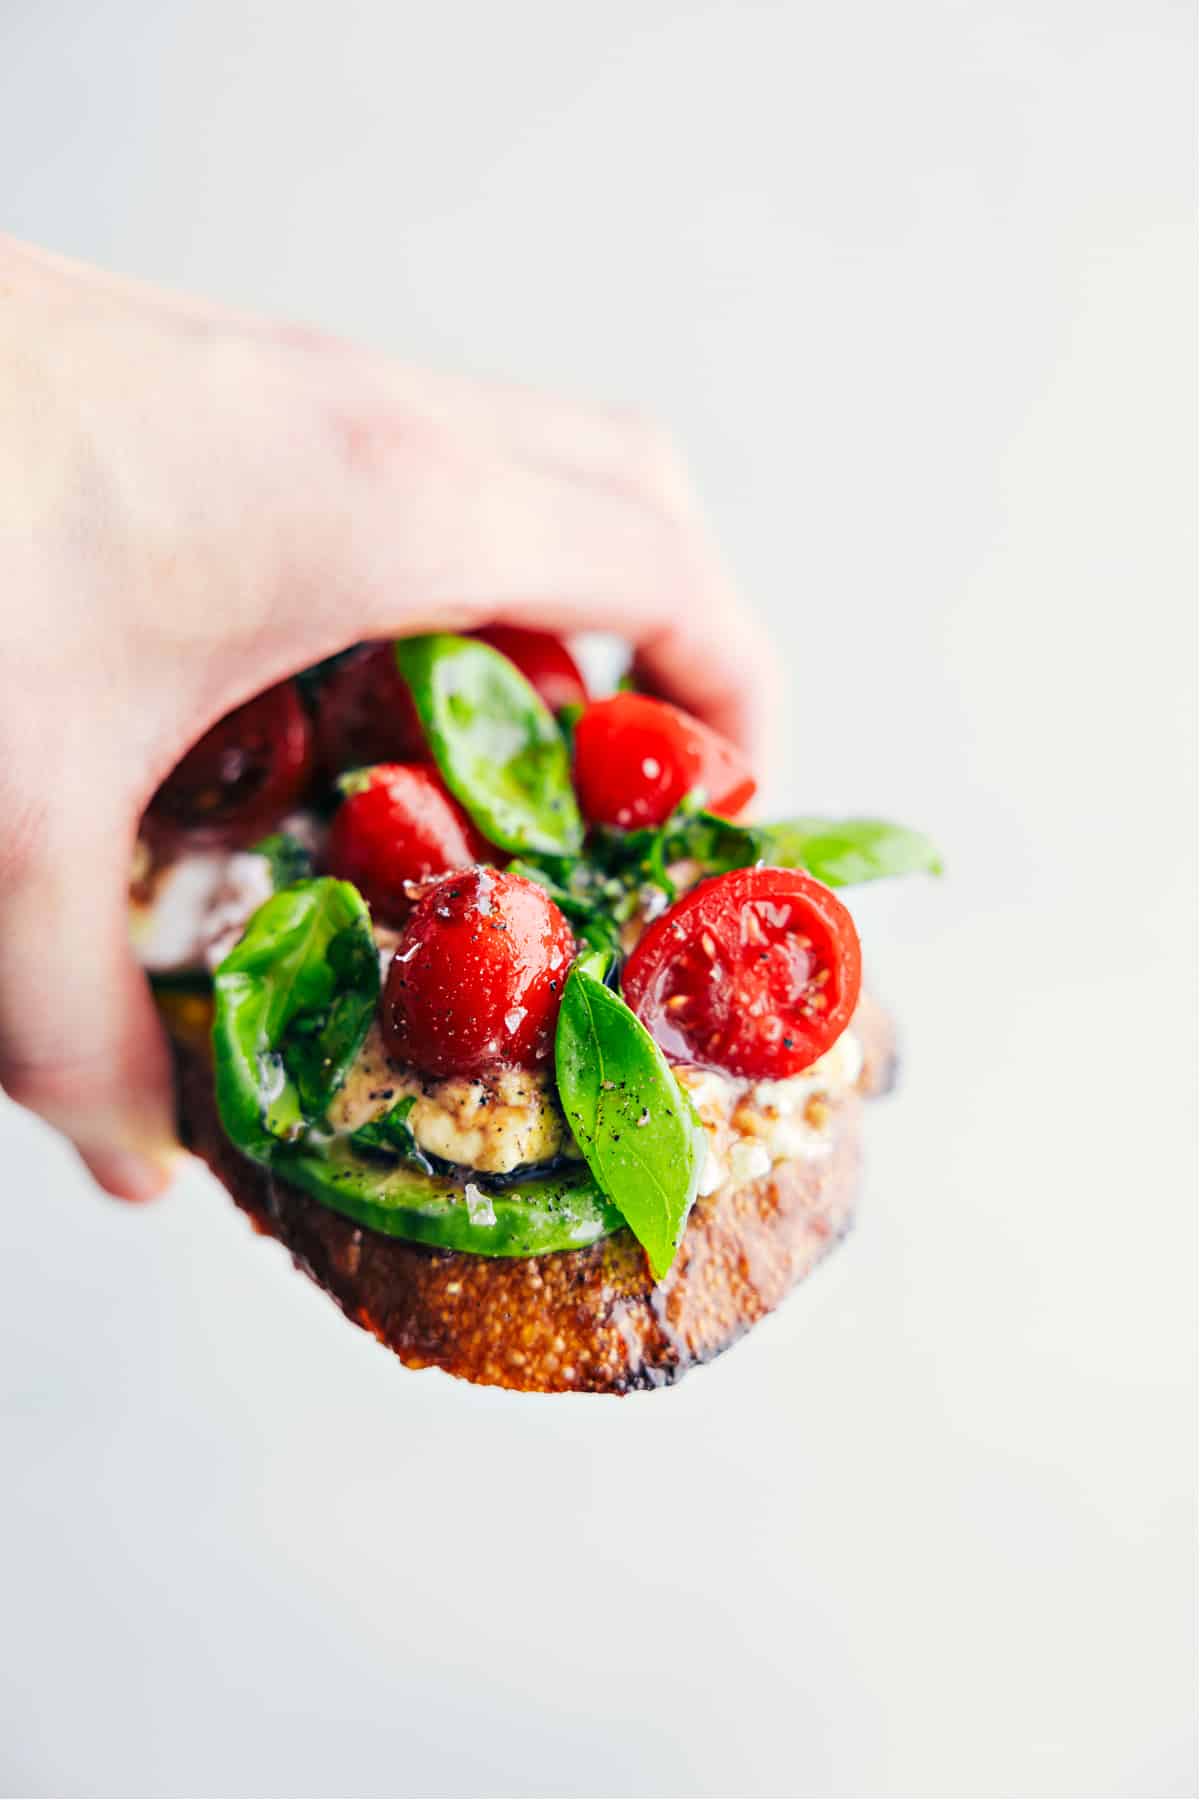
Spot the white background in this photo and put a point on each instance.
(914, 286)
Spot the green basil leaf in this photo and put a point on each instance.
(595, 963)
(619, 871)
(717, 844)
(635, 1125)
(287, 858)
(533, 1215)
(598, 932)
(392, 1133)
(842, 851)
(318, 1047)
(495, 742)
(294, 999)
(836, 851)
(568, 717)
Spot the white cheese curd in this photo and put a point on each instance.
(750, 1126)
(372, 1086)
(188, 911)
(511, 1118)
(747, 1162)
(196, 908)
(713, 1170)
(247, 884)
(497, 1123)
(500, 1122)
(838, 1069)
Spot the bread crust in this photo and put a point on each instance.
(582, 1321)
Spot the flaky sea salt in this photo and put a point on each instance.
(480, 1210)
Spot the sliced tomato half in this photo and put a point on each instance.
(755, 973)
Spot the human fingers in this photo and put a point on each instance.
(79, 1040)
(538, 517)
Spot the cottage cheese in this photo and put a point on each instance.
(189, 913)
(500, 1122)
(750, 1126)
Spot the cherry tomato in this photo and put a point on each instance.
(478, 976)
(755, 973)
(543, 660)
(366, 715)
(636, 758)
(243, 775)
(401, 825)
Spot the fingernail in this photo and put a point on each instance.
(129, 1174)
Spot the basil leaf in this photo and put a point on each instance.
(717, 844)
(568, 717)
(841, 851)
(622, 871)
(596, 963)
(836, 851)
(536, 1215)
(319, 1047)
(294, 999)
(635, 1125)
(287, 858)
(392, 1132)
(496, 744)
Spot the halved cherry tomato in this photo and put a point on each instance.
(243, 775)
(365, 713)
(636, 758)
(402, 824)
(478, 976)
(543, 660)
(755, 973)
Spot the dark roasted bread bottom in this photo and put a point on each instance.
(585, 1321)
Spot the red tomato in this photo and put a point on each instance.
(366, 715)
(636, 758)
(243, 775)
(543, 660)
(402, 825)
(755, 973)
(478, 976)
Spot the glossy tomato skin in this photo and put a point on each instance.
(636, 758)
(543, 660)
(365, 713)
(477, 978)
(755, 973)
(246, 772)
(400, 824)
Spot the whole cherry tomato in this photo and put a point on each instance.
(365, 713)
(756, 973)
(243, 775)
(401, 824)
(478, 976)
(543, 660)
(636, 758)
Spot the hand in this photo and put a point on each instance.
(194, 504)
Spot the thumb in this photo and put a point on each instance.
(80, 1042)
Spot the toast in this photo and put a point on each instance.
(581, 1321)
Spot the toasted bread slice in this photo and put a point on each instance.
(581, 1321)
